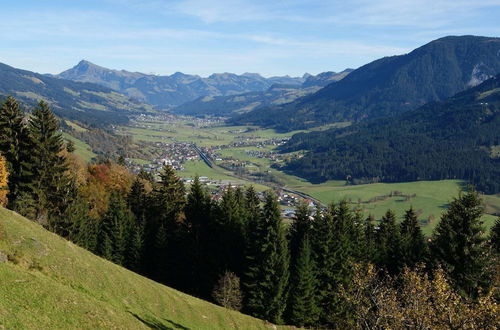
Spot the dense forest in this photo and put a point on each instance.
(330, 268)
(453, 139)
(390, 85)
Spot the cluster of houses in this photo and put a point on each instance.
(145, 121)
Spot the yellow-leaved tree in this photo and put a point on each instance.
(4, 180)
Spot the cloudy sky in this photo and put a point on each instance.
(203, 36)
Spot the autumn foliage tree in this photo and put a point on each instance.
(4, 180)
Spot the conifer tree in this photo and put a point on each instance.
(322, 243)
(231, 232)
(136, 199)
(197, 247)
(115, 229)
(413, 247)
(267, 284)
(135, 249)
(389, 244)
(303, 309)
(369, 239)
(300, 226)
(15, 145)
(459, 245)
(50, 183)
(344, 250)
(253, 251)
(164, 226)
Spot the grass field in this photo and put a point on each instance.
(82, 149)
(50, 283)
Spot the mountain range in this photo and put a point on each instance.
(389, 85)
(458, 138)
(275, 95)
(165, 92)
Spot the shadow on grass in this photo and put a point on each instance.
(159, 325)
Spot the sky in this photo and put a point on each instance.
(269, 37)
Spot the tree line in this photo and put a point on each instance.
(330, 267)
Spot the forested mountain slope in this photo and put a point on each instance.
(390, 85)
(455, 139)
(85, 102)
(48, 282)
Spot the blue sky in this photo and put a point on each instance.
(201, 36)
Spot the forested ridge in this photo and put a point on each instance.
(86, 102)
(330, 268)
(452, 139)
(390, 85)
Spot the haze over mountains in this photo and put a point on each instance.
(390, 85)
(168, 91)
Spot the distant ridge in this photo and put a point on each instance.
(168, 91)
(277, 94)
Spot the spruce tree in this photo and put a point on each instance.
(389, 244)
(253, 252)
(15, 146)
(267, 283)
(343, 250)
(369, 239)
(322, 243)
(164, 227)
(197, 247)
(115, 230)
(460, 246)
(135, 248)
(303, 309)
(301, 225)
(50, 183)
(230, 232)
(413, 247)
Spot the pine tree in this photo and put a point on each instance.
(413, 247)
(4, 181)
(459, 245)
(267, 283)
(51, 182)
(16, 146)
(304, 310)
(389, 244)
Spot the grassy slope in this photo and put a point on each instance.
(82, 149)
(49, 282)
